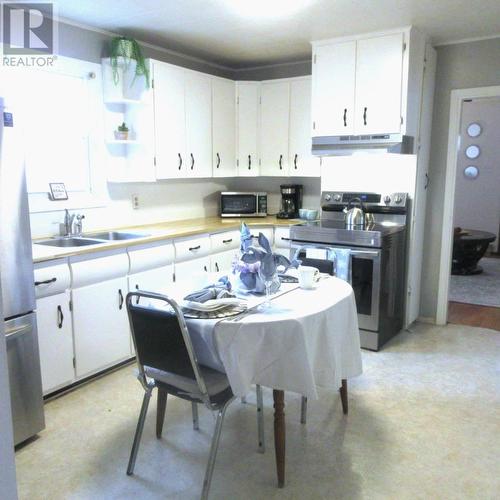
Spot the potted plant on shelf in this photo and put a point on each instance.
(121, 134)
(124, 50)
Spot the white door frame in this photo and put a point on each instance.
(457, 98)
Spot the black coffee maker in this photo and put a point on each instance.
(291, 201)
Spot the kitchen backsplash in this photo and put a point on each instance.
(170, 200)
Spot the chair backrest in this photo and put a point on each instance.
(161, 337)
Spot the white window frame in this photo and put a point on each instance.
(97, 196)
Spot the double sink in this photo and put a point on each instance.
(91, 239)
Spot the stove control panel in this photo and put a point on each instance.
(339, 199)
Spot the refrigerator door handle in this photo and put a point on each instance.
(16, 332)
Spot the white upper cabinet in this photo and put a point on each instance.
(301, 162)
(334, 68)
(198, 103)
(358, 85)
(170, 121)
(223, 128)
(274, 123)
(379, 67)
(247, 103)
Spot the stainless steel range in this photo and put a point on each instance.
(370, 254)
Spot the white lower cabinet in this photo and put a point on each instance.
(222, 261)
(282, 241)
(192, 271)
(100, 323)
(55, 334)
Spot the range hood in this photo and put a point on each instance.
(338, 145)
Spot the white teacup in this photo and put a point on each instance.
(308, 276)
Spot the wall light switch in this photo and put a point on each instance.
(135, 201)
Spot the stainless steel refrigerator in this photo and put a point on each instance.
(18, 295)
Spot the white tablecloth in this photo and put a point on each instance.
(308, 339)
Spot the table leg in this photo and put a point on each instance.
(343, 396)
(279, 435)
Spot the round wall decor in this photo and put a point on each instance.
(474, 130)
(471, 172)
(472, 152)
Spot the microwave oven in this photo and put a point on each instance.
(240, 204)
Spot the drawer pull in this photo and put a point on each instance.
(227, 241)
(60, 317)
(195, 248)
(285, 239)
(120, 299)
(46, 282)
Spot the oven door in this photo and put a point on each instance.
(364, 276)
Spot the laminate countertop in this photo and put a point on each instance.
(157, 232)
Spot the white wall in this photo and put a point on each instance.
(167, 201)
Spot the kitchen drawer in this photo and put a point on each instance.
(266, 231)
(53, 278)
(98, 269)
(282, 237)
(228, 240)
(191, 248)
(143, 259)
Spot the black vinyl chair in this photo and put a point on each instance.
(167, 361)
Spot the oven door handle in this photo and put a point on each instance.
(375, 253)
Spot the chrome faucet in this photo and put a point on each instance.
(72, 228)
(68, 223)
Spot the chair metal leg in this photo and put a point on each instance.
(260, 419)
(213, 451)
(303, 410)
(161, 406)
(196, 423)
(138, 432)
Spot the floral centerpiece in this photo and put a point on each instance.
(257, 267)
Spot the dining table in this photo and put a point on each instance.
(303, 341)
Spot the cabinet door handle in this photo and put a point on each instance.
(217, 267)
(120, 299)
(364, 115)
(46, 282)
(195, 248)
(285, 239)
(60, 317)
(426, 180)
(192, 161)
(205, 268)
(137, 298)
(227, 241)
(345, 117)
(180, 160)
(218, 161)
(249, 162)
(295, 161)
(280, 162)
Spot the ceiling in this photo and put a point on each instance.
(248, 33)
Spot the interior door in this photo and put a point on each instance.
(247, 121)
(301, 162)
(169, 115)
(55, 341)
(223, 128)
(100, 325)
(379, 69)
(334, 69)
(274, 123)
(198, 125)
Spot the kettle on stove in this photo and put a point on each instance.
(355, 217)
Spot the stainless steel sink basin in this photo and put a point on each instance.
(116, 235)
(69, 242)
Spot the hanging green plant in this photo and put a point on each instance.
(127, 49)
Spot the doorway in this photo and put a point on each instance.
(471, 222)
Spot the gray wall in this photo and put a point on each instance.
(465, 65)
(477, 201)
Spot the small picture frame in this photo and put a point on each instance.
(58, 191)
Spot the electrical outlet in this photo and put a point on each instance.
(135, 201)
